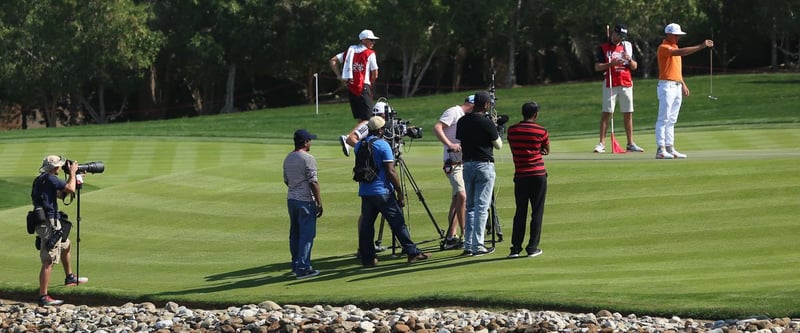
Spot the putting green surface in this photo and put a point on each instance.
(202, 221)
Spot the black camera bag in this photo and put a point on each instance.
(35, 218)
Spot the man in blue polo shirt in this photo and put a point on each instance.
(378, 196)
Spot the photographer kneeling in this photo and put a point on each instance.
(53, 243)
(378, 195)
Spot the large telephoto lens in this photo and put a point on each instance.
(92, 167)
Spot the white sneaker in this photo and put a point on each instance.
(662, 154)
(345, 146)
(675, 153)
(600, 148)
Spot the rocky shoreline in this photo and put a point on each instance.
(18, 317)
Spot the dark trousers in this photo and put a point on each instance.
(387, 205)
(528, 190)
(361, 106)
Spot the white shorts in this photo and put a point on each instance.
(625, 96)
(456, 177)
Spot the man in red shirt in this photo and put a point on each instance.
(615, 58)
(529, 141)
(359, 71)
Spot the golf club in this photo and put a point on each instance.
(711, 74)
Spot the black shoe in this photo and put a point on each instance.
(371, 264)
(412, 258)
(307, 274)
(483, 251)
(534, 253)
(451, 243)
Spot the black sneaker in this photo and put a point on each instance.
(46, 300)
(307, 274)
(483, 251)
(467, 253)
(73, 280)
(451, 243)
(513, 254)
(535, 253)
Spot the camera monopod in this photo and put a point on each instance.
(78, 186)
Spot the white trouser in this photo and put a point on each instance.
(670, 95)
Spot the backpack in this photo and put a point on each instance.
(365, 169)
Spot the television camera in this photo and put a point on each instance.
(395, 128)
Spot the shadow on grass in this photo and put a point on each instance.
(346, 268)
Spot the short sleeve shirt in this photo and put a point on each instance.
(476, 133)
(44, 192)
(669, 66)
(381, 153)
(450, 118)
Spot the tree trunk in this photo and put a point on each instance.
(458, 66)
(229, 89)
(101, 97)
(773, 43)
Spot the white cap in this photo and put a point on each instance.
(673, 29)
(367, 34)
(380, 108)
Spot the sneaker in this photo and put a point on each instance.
(72, 280)
(345, 146)
(307, 274)
(634, 148)
(675, 153)
(412, 258)
(662, 154)
(513, 254)
(483, 251)
(46, 300)
(467, 253)
(535, 253)
(451, 243)
(600, 148)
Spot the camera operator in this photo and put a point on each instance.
(47, 188)
(478, 135)
(379, 196)
(445, 130)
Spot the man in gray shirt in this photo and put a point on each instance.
(304, 203)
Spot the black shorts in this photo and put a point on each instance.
(361, 106)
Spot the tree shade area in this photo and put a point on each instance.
(95, 61)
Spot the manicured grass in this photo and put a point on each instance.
(193, 210)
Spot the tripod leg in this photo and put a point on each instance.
(406, 174)
(379, 240)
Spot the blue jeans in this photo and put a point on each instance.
(303, 229)
(479, 183)
(387, 205)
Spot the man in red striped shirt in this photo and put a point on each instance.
(529, 141)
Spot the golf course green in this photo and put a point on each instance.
(193, 210)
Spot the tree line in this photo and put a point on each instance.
(98, 61)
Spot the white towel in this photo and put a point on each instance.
(347, 71)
